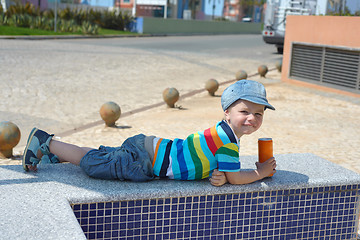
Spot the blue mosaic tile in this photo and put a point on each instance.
(320, 212)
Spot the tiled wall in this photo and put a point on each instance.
(311, 213)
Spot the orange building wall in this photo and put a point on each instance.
(324, 30)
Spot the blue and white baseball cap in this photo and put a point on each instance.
(248, 90)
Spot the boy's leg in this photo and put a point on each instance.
(38, 148)
(68, 152)
(65, 152)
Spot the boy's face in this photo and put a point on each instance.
(244, 117)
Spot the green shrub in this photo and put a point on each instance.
(89, 28)
(94, 16)
(67, 26)
(20, 20)
(3, 19)
(110, 20)
(69, 20)
(49, 13)
(80, 16)
(65, 14)
(116, 21)
(41, 23)
(20, 9)
(50, 25)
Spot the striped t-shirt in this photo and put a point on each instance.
(198, 155)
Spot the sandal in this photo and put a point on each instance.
(38, 140)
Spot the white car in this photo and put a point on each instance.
(246, 19)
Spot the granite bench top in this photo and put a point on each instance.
(36, 205)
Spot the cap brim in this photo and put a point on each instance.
(269, 107)
(261, 102)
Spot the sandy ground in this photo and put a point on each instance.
(321, 130)
(329, 128)
(64, 91)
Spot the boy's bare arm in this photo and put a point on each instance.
(220, 178)
(244, 177)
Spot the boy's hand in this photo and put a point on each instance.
(218, 178)
(267, 168)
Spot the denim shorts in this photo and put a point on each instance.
(130, 161)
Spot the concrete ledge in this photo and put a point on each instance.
(37, 205)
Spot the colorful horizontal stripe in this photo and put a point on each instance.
(198, 155)
(160, 153)
(229, 132)
(195, 158)
(229, 150)
(181, 160)
(216, 137)
(166, 162)
(205, 165)
(210, 141)
(156, 150)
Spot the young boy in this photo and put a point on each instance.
(211, 153)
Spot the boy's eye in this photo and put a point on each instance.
(258, 114)
(244, 112)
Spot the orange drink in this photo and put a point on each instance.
(265, 148)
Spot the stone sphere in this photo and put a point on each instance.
(241, 75)
(262, 70)
(278, 65)
(9, 137)
(170, 96)
(212, 86)
(110, 112)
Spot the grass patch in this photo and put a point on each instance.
(104, 31)
(9, 30)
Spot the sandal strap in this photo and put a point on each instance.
(35, 161)
(47, 159)
(44, 148)
(54, 159)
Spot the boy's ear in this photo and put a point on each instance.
(226, 113)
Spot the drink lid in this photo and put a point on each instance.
(265, 139)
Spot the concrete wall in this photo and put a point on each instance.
(324, 30)
(178, 26)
